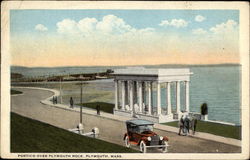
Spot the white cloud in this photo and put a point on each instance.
(146, 30)
(67, 26)
(87, 25)
(199, 31)
(109, 25)
(174, 22)
(199, 18)
(40, 27)
(225, 27)
(113, 24)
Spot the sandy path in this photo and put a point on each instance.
(29, 105)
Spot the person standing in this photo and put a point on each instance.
(181, 125)
(71, 101)
(98, 109)
(55, 99)
(194, 123)
(186, 124)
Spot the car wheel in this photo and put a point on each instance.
(143, 148)
(127, 144)
(164, 149)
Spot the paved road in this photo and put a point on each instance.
(29, 105)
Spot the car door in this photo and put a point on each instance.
(137, 135)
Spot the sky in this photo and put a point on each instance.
(48, 38)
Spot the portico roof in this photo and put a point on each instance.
(140, 122)
(141, 73)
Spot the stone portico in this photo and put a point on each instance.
(134, 84)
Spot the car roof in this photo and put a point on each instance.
(139, 122)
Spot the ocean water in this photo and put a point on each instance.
(219, 86)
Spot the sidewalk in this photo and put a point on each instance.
(86, 110)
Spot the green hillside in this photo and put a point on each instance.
(29, 135)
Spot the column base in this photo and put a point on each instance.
(204, 117)
(165, 118)
(155, 118)
(149, 113)
(127, 108)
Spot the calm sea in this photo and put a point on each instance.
(219, 86)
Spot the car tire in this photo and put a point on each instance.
(143, 148)
(164, 149)
(126, 140)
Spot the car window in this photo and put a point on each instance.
(145, 128)
(132, 128)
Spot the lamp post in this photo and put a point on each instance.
(61, 77)
(61, 90)
(80, 126)
(81, 84)
(81, 106)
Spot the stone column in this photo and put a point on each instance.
(116, 94)
(131, 95)
(149, 97)
(178, 97)
(187, 95)
(169, 97)
(140, 96)
(158, 98)
(126, 92)
(123, 95)
(135, 91)
(143, 96)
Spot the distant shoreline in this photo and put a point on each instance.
(146, 65)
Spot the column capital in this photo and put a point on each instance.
(149, 82)
(159, 82)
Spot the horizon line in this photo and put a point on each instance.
(126, 65)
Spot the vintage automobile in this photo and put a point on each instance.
(140, 133)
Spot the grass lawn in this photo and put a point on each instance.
(29, 135)
(215, 128)
(105, 107)
(12, 92)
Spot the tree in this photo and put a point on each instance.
(204, 109)
(16, 75)
(109, 71)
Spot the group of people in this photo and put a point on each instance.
(186, 123)
(54, 99)
(71, 102)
